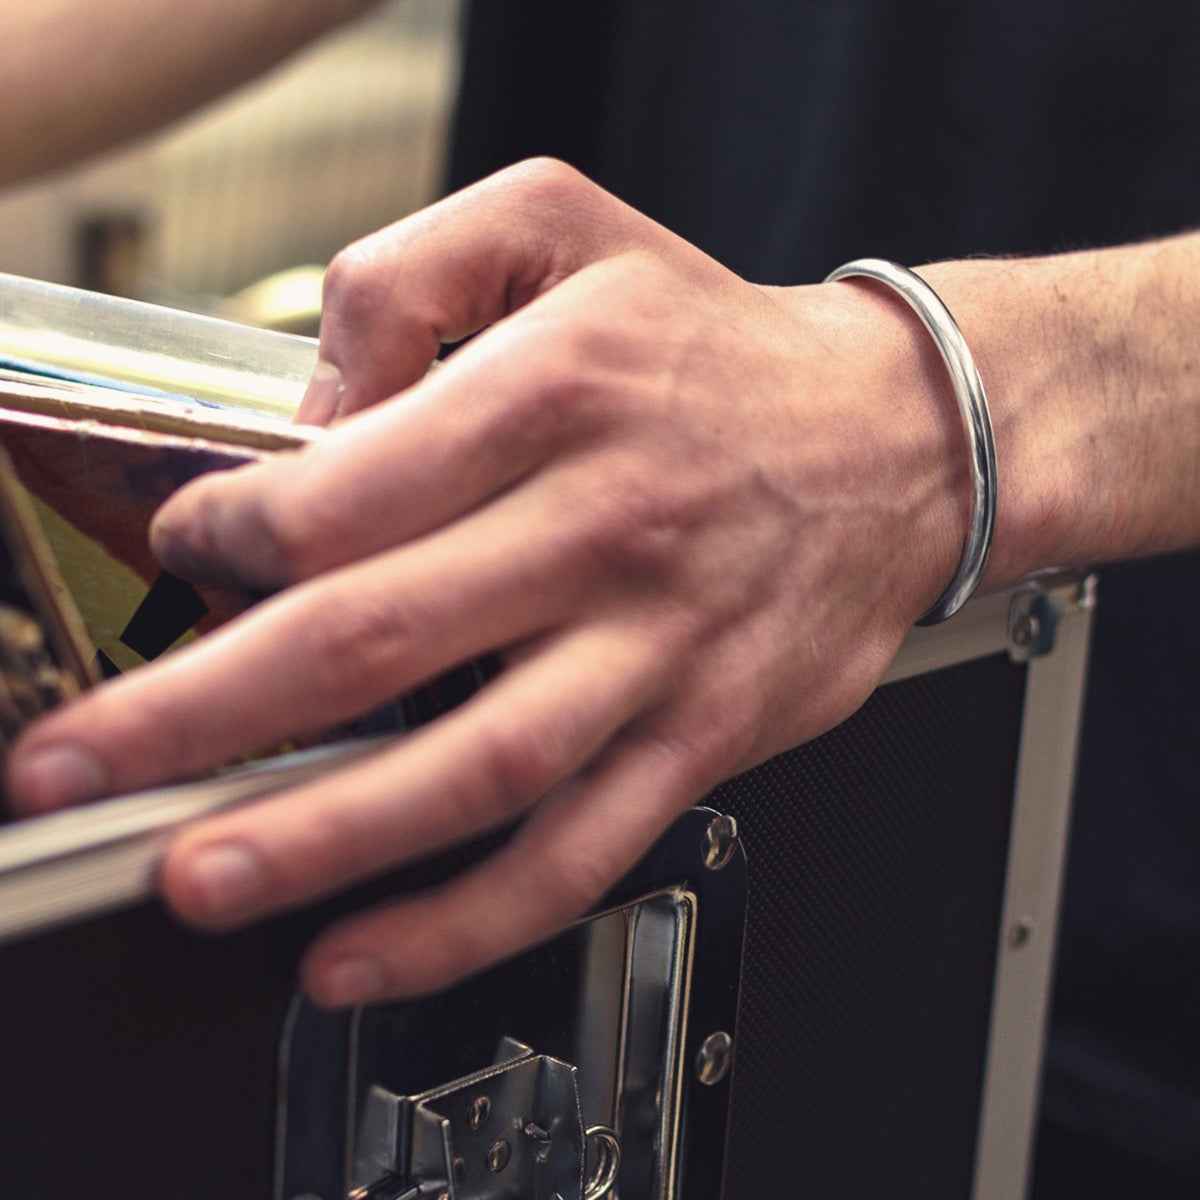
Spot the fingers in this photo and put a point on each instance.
(575, 846)
(310, 657)
(479, 767)
(492, 415)
(531, 393)
(388, 476)
(392, 299)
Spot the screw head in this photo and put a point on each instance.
(1020, 933)
(478, 1113)
(714, 1058)
(498, 1155)
(719, 842)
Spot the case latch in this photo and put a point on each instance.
(630, 1013)
(514, 1128)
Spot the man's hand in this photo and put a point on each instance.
(694, 517)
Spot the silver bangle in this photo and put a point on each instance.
(977, 424)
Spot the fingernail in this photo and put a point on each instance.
(57, 778)
(350, 981)
(323, 398)
(224, 879)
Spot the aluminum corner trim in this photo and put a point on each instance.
(1026, 942)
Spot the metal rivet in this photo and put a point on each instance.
(714, 1058)
(443, 1196)
(1020, 933)
(478, 1113)
(459, 1169)
(1025, 630)
(498, 1155)
(719, 843)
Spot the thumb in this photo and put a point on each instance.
(392, 298)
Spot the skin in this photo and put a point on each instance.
(121, 70)
(695, 516)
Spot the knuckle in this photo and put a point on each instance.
(354, 643)
(309, 523)
(569, 884)
(592, 352)
(637, 528)
(553, 411)
(280, 537)
(513, 766)
(154, 727)
(351, 274)
(330, 845)
(546, 181)
(302, 519)
(358, 293)
(570, 396)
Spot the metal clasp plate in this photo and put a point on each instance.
(513, 1128)
(607, 1057)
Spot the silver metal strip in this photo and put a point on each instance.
(90, 860)
(978, 629)
(984, 625)
(90, 338)
(1025, 953)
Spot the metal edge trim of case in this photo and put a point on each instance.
(81, 862)
(1026, 938)
(982, 626)
(978, 629)
(121, 839)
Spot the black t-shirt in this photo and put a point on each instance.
(786, 136)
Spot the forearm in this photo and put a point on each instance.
(1090, 361)
(80, 76)
(1090, 365)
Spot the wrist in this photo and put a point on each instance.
(906, 459)
(971, 402)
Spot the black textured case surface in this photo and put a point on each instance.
(139, 1061)
(877, 859)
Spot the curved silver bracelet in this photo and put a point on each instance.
(977, 423)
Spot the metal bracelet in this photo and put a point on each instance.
(972, 404)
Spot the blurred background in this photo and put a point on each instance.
(271, 182)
